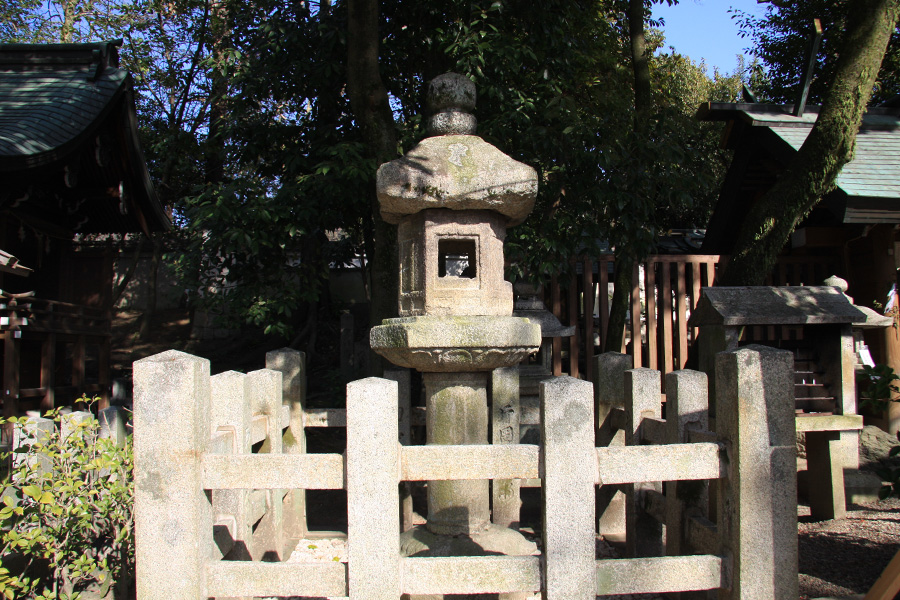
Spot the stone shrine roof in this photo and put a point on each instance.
(764, 305)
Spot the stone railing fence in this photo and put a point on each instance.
(198, 484)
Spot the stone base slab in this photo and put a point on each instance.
(456, 344)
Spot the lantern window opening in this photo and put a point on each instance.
(457, 258)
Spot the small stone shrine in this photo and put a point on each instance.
(452, 197)
(824, 359)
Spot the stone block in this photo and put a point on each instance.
(71, 422)
(687, 403)
(34, 430)
(112, 425)
(292, 366)
(230, 409)
(609, 393)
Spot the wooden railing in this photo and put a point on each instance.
(656, 334)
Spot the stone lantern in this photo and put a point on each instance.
(452, 197)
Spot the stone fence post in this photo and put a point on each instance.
(231, 412)
(292, 366)
(372, 474)
(642, 400)
(609, 393)
(570, 471)
(505, 416)
(687, 409)
(757, 516)
(173, 515)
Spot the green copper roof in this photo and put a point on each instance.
(70, 157)
(40, 113)
(875, 170)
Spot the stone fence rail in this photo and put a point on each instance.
(200, 485)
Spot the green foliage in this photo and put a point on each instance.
(781, 41)
(877, 386)
(890, 474)
(256, 239)
(66, 519)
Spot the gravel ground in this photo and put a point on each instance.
(838, 559)
(843, 558)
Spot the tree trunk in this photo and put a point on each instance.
(370, 104)
(643, 106)
(829, 146)
(618, 307)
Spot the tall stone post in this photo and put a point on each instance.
(570, 475)
(292, 366)
(230, 405)
(609, 393)
(373, 462)
(172, 512)
(687, 408)
(757, 515)
(505, 417)
(642, 400)
(456, 413)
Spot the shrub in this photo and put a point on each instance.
(66, 522)
(877, 385)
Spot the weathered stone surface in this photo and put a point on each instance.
(448, 344)
(505, 413)
(570, 469)
(112, 424)
(230, 409)
(609, 393)
(450, 91)
(172, 514)
(460, 172)
(687, 408)
(874, 447)
(451, 122)
(642, 399)
(757, 503)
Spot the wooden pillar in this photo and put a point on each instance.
(48, 372)
(10, 381)
(103, 376)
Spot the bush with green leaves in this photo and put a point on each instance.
(66, 524)
(877, 386)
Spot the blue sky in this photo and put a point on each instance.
(705, 29)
